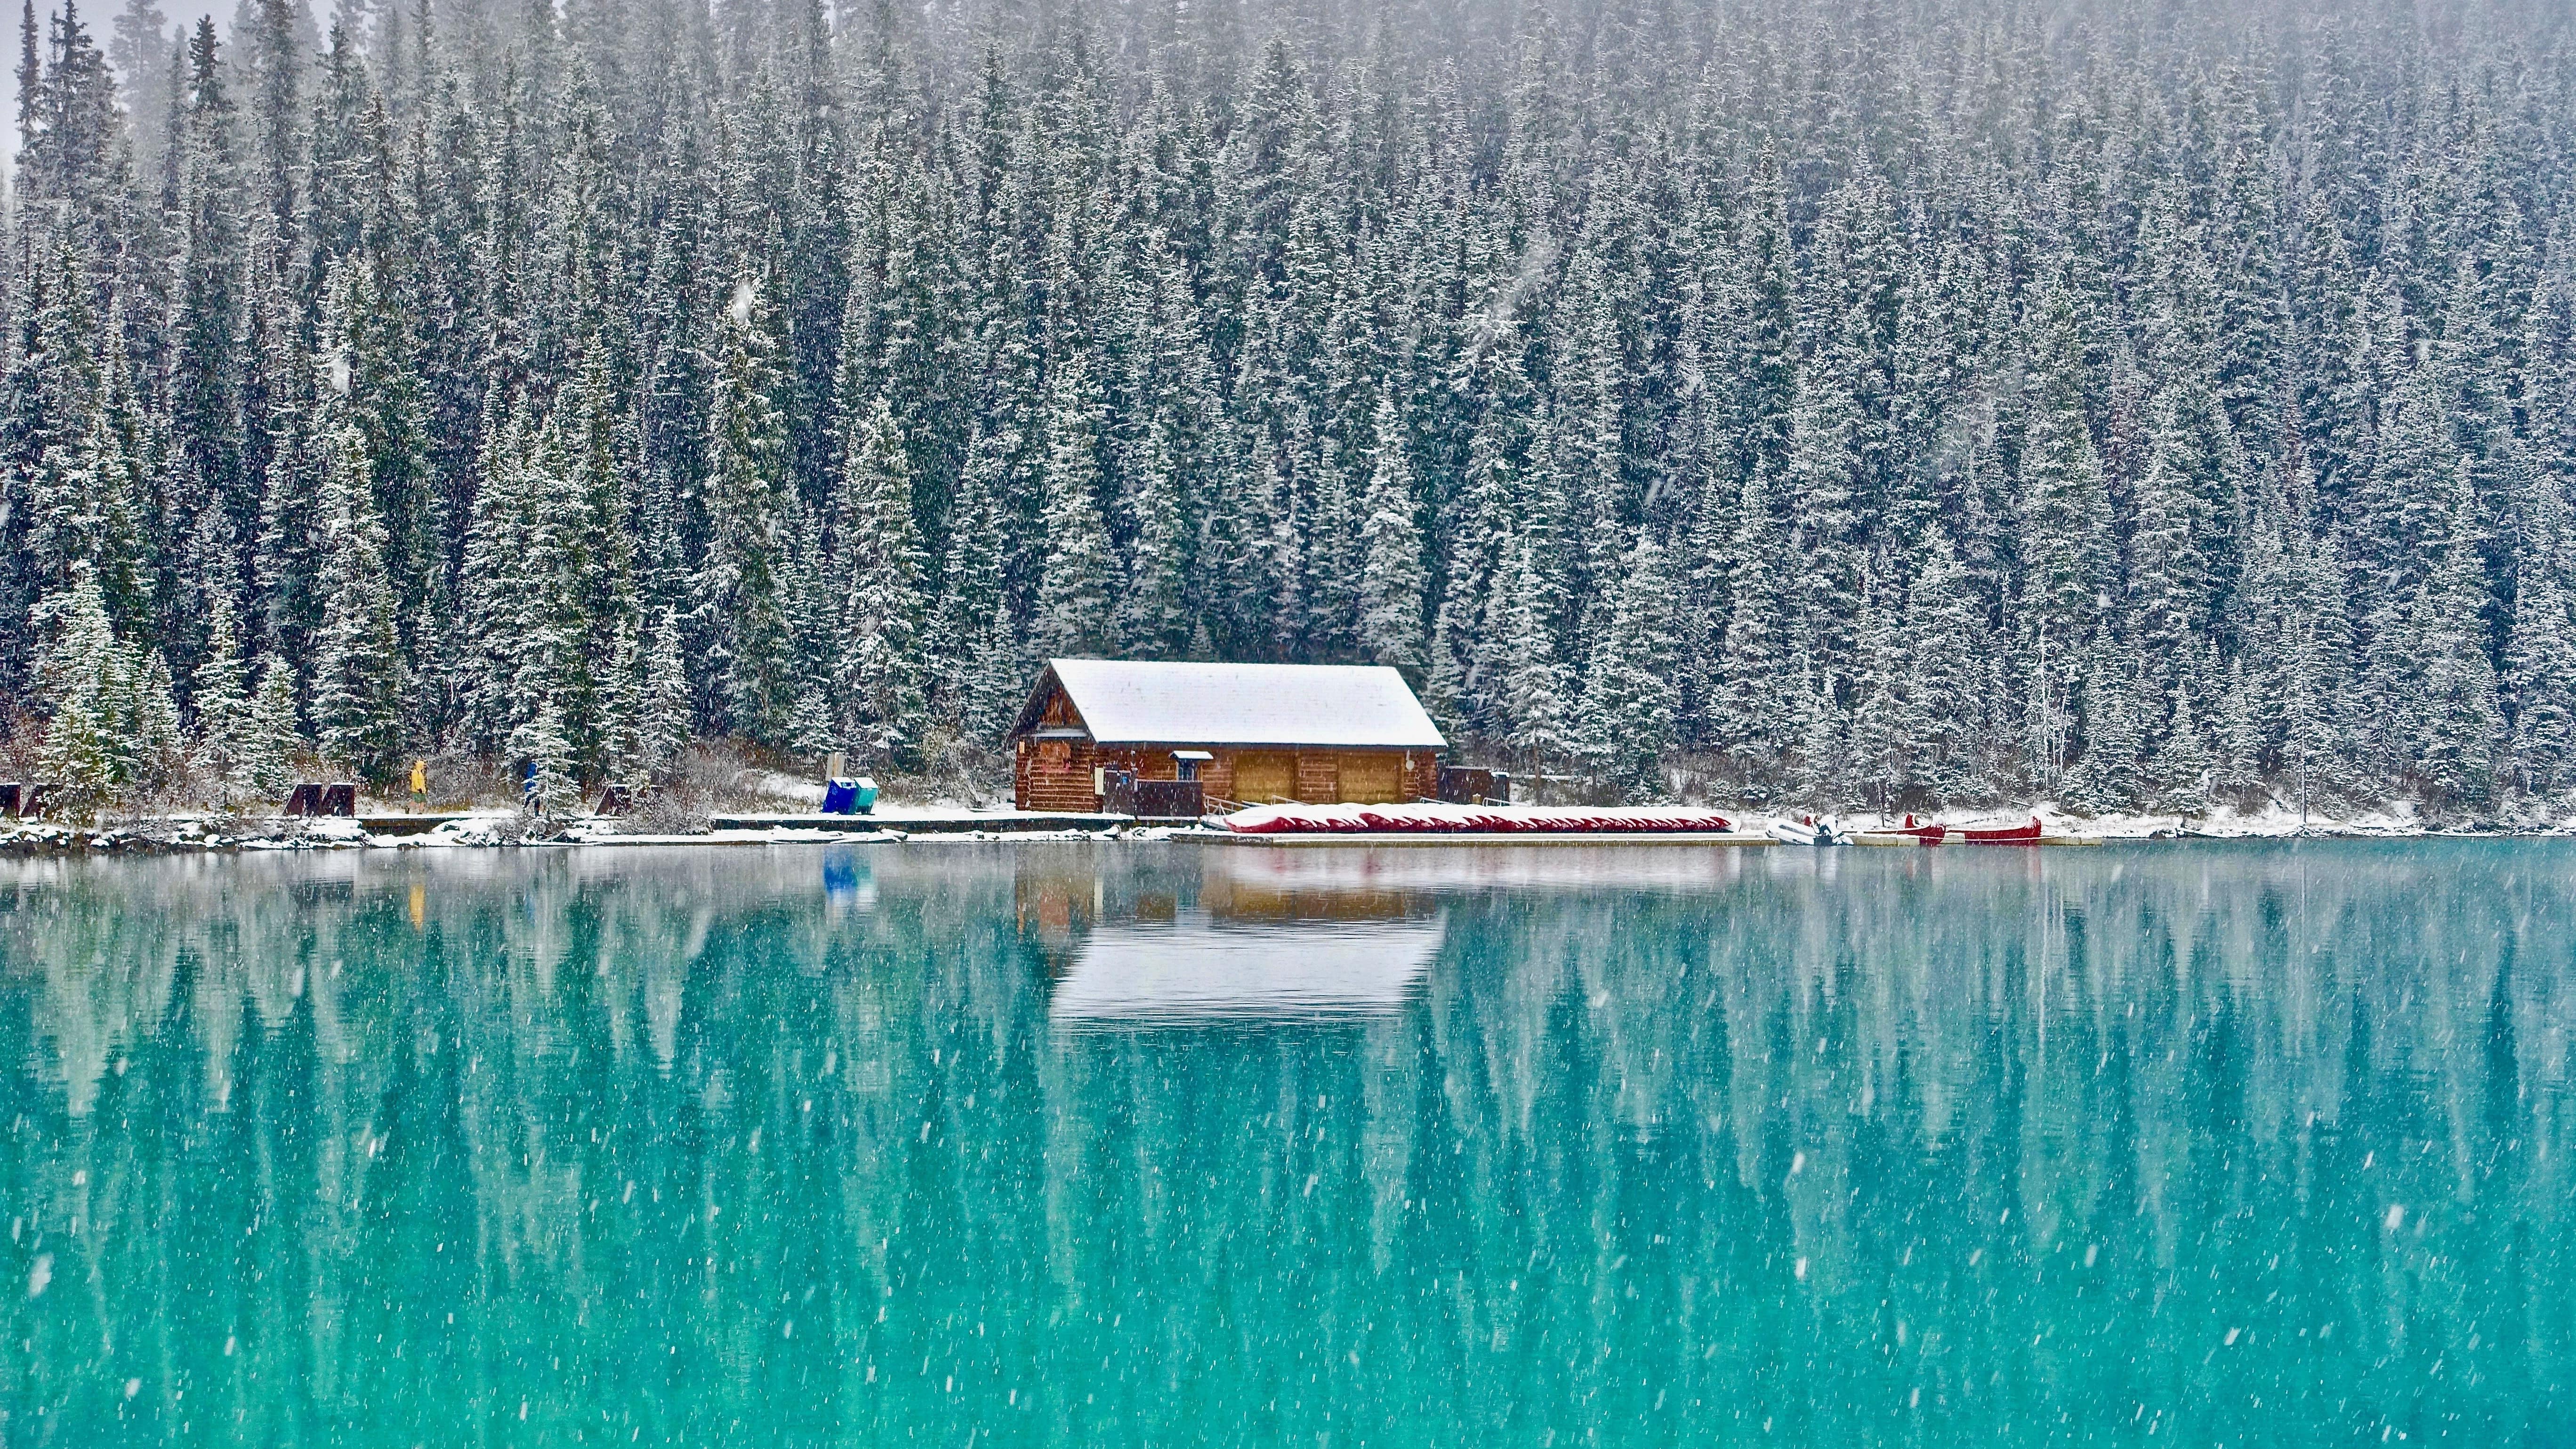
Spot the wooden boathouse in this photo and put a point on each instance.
(1250, 733)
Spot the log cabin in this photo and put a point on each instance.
(1249, 733)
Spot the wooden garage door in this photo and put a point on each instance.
(1261, 778)
(1372, 779)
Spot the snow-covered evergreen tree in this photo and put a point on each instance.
(1392, 576)
(878, 565)
(2461, 725)
(85, 683)
(744, 584)
(540, 745)
(357, 659)
(219, 692)
(1153, 618)
(267, 760)
(1075, 610)
(663, 727)
(1626, 718)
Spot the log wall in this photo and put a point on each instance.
(1057, 774)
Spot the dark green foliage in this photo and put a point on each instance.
(2172, 415)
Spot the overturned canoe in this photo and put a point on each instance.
(1428, 818)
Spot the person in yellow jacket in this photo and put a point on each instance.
(419, 783)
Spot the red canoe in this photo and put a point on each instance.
(2007, 835)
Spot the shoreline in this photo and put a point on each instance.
(491, 830)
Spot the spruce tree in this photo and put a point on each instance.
(878, 568)
(550, 789)
(2540, 649)
(664, 725)
(1753, 714)
(358, 704)
(2066, 542)
(2187, 358)
(267, 761)
(1625, 724)
(1536, 697)
(1883, 727)
(1392, 576)
(1153, 619)
(84, 683)
(1075, 611)
(1945, 638)
(744, 584)
(219, 695)
(2460, 726)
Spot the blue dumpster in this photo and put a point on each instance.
(849, 797)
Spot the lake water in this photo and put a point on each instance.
(2208, 1144)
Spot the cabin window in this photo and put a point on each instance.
(1054, 754)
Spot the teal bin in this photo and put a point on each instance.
(849, 797)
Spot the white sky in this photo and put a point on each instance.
(98, 17)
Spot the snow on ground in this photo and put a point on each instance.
(496, 827)
(2275, 820)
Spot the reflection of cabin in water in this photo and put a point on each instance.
(1060, 897)
(1254, 733)
(1224, 937)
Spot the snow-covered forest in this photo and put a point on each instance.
(1827, 400)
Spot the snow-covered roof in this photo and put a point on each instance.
(1353, 706)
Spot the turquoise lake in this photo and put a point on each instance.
(2260, 1144)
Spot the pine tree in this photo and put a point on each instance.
(550, 791)
(1944, 639)
(664, 727)
(1754, 714)
(1822, 734)
(1075, 611)
(2460, 725)
(1284, 349)
(1626, 720)
(358, 687)
(156, 751)
(2106, 777)
(266, 762)
(1535, 692)
(2237, 756)
(1818, 491)
(2193, 476)
(2065, 509)
(977, 634)
(1883, 727)
(84, 683)
(2540, 652)
(1153, 618)
(2182, 766)
(1392, 576)
(744, 582)
(879, 568)
(219, 694)
(1333, 551)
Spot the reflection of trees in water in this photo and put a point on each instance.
(689, 1139)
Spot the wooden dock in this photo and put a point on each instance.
(1016, 822)
(1484, 837)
